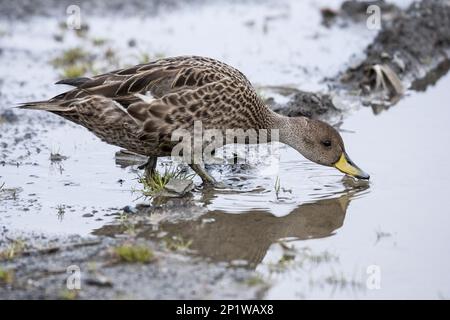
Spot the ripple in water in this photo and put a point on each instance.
(277, 184)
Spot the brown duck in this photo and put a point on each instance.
(138, 108)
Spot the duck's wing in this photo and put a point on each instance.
(160, 97)
(155, 79)
(212, 104)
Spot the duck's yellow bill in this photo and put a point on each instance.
(347, 166)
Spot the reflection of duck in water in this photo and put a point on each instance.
(248, 236)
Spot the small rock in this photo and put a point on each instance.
(58, 37)
(99, 281)
(87, 215)
(385, 55)
(132, 43)
(56, 157)
(130, 209)
(239, 263)
(179, 186)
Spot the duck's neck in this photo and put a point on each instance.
(289, 128)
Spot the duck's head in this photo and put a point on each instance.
(321, 143)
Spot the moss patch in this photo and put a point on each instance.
(134, 254)
(6, 276)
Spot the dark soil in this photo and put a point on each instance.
(416, 41)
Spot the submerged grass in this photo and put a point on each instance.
(177, 243)
(256, 280)
(303, 258)
(127, 225)
(60, 211)
(8, 193)
(154, 184)
(277, 187)
(99, 42)
(134, 253)
(13, 250)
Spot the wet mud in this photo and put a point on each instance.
(414, 43)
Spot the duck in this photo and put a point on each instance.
(139, 108)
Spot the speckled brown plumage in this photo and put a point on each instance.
(138, 108)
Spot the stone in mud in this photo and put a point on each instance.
(56, 157)
(178, 187)
(308, 104)
(130, 210)
(99, 280)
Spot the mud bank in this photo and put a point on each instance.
(412, 43)
(309, 104)
(411, 51)
(41, 272)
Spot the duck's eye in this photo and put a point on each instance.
(326, 143)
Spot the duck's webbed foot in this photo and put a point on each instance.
(207, 179)
(149, 166)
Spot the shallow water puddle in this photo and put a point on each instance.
(71, 196)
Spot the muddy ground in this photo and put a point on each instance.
(34, 264)
(413, 43)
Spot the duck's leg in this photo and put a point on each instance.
(207, 179)
(149, 166)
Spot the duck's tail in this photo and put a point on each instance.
(43, 105)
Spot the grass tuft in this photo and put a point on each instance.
(6, 276)
(177, 243)
(70, 57)
(154, 184)
(98, 42)
(74, 71)
(134, 253)
(73, 62)
(13, 250)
